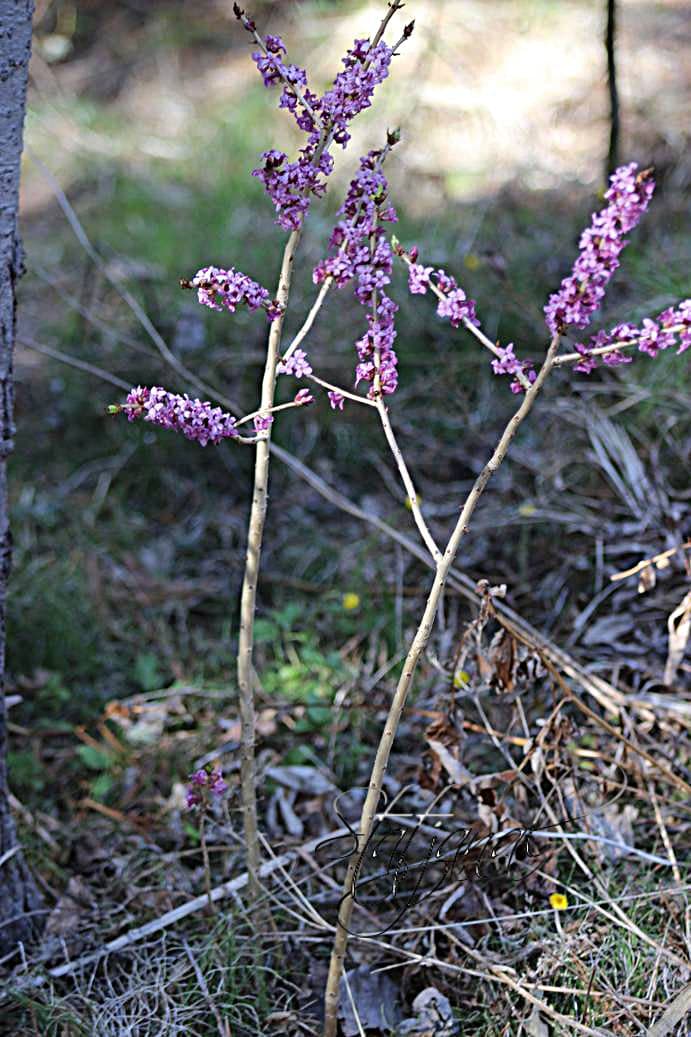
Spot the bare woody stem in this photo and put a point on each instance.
(417, 647)
(472, 328)
(422, 526)
(255, 536)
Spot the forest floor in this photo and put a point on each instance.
(129, 544)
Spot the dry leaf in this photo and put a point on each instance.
(678, 628)
(376, 1001)
(434, 1016)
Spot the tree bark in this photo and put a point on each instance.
(19, 897)
(610, 47)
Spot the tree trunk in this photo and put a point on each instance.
(611, 49)
(19, 898)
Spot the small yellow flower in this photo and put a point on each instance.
(351, 601)
(526, 510)
(461, 679)
(558, 901)
(409, 503)
(471, 261)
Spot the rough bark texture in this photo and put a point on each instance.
(19, 898)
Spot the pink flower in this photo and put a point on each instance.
(582, 292)
(196, 420)
(227, 289)
(418, 278)
(263, 422)
(336, 400)
(302, 397)
(297, 364)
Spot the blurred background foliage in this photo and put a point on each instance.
(150, 118)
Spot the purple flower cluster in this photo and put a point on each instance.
(196, 420)
(365, 68)
(364, 255)
(336, 400)
(263, 422)
(202, 786)
(601, 244)
(227, 289)
(670, 327)
(291, 185)
(508, 363)
(455, 304)
(297, 364)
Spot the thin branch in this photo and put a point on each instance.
(74, 361)
(469, 326)
(613, 347)
(342, 392)
(248, 597)
(422, 526)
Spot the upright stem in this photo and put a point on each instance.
(255, 536)
(610, 47)
(20, 902)
(417, 647)
(407, 482)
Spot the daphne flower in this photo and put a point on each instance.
(291, 185)
(418, 278)
(652, 337)
(203, 785)
(196, 420)
(362, 254)
(227, 289)
(582, 292)
(336, 400)
(302, 397)
(263, 422)
(296, 364)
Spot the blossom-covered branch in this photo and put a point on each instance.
(227, 289)
(601, 244)
(671, 327)
(362, 253)
(201, 422)
(326, 119)
(460, 310)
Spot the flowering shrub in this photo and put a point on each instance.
(361, 254)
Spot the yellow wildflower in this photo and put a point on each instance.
(558, 901)
(351, 601)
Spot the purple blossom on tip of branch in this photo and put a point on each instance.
(670, 327)
(198, 421)
(353, 88)
(296, 364)
(227, 289)
(202, 785)
(582, 292)
(290, 185)
(302, 397)
(336, 400)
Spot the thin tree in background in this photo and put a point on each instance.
(610, 46)
(19, 897)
